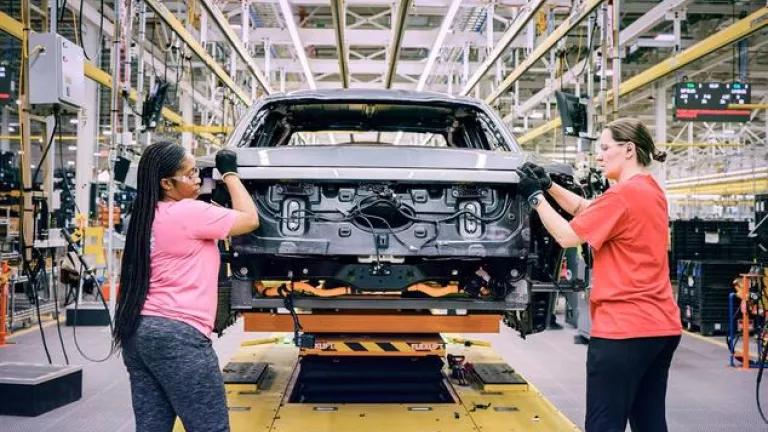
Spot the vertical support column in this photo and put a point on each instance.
(5, 129)
(26, 146)
(616, 55)
(245, 25)
(187, 114)
(117, 52)
(660, 129)
(465, 65)
(282, 80)
(140, 72)
(87, 127)
(604, 30)
(267, 60)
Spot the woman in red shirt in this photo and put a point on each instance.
(635, 319)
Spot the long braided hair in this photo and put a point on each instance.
(159, 160)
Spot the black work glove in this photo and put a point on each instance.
(530, 188)
(226, 162)
(539, 173)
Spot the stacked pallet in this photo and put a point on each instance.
(699, 239)
(703, 289)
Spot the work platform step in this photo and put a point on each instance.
(87, 314)
(32, 389)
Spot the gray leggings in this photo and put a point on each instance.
(174, 372)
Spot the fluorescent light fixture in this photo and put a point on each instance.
(570, 148)
(517, 129)
(11, 129)
(73, 121)
(70, 163)
(71, 148)
(536, 115)
(106, 132)
(33, 166)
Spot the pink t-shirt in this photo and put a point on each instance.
(184, 261)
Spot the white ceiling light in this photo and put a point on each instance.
(70, 163)
(71, 148)
(73, 121)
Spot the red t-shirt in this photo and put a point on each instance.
(628, 229)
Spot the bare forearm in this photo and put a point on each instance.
(568, 200)
(557, 226)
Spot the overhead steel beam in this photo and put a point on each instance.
(736, 31)
(649, 20)
(519, 23)
(445, 27)
(164, 14)
(339, 14)
(369, 37)
(422, 3)
(397, 38)
(290, 24)
(237, 44)
(579, 13)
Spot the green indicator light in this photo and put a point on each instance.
(690, 85)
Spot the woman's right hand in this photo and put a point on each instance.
(226, 162)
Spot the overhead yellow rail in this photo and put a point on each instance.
(214, 129)
(734, 187)
(187, 37)
(16, 29)
(748, 106)
(734, 32)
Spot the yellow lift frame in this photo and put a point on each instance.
(263, 405)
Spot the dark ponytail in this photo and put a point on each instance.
(159, 160)
(633, 130)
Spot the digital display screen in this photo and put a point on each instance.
(708, 101)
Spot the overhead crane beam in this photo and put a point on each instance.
(626, 36)
(164, 14)
(561, 31)
(519, 23)
(237, 44)
(339, 14)
(397, 39)
(734, 32)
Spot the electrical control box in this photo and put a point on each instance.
(56, 75)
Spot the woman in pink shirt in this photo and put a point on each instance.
(168, 290)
